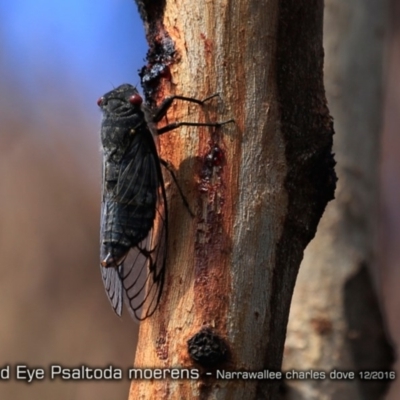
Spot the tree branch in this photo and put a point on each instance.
(259, 186)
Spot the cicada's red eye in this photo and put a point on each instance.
(99, 101)
(136, 100)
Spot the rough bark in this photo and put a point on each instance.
(258, 187)
(335, 320)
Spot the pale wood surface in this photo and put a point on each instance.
(232, 268)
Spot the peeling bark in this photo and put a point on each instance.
(258, 187)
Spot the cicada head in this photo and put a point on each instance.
(122, 116)
(124, 101)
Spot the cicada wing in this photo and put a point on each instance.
(139, 279)
(143, 271)
(113, 287)
(110, 276)
(127, 211)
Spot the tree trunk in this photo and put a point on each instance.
(335, 321)
(258, 187)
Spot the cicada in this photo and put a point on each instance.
(134, 211)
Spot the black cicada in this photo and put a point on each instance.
(134, 214)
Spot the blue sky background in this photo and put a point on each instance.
(80, 48)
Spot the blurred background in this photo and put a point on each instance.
(390, 190)
(56, 59)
